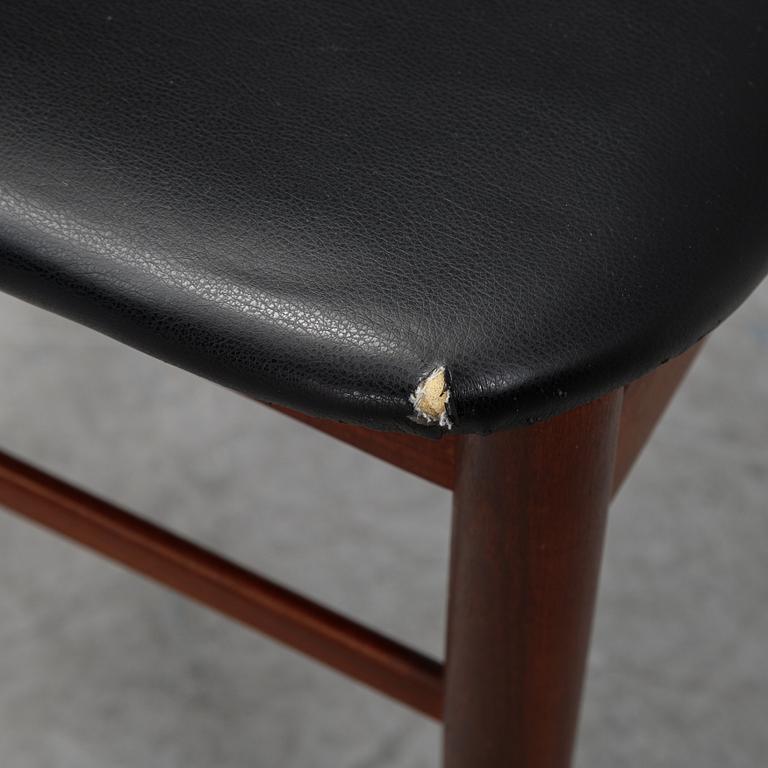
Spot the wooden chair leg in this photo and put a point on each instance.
(529, 514)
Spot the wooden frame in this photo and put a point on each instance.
(529, 513)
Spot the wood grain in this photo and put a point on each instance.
(529, 515)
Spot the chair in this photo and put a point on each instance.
(480, 241)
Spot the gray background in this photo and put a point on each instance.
(99, 668)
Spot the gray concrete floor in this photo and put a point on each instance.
(101, 669)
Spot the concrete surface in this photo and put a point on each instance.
(100, 669)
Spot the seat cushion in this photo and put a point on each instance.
(416, 215)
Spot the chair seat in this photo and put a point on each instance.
(412, 216)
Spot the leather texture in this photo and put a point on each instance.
(318, 203)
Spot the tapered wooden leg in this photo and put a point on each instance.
(529, 515)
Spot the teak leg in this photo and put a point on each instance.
(529, 516)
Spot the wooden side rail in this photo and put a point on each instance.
(432, 460)
(354, 650)
(645, 401)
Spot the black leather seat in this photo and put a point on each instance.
(321, 203)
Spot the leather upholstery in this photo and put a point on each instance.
(318, 203)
